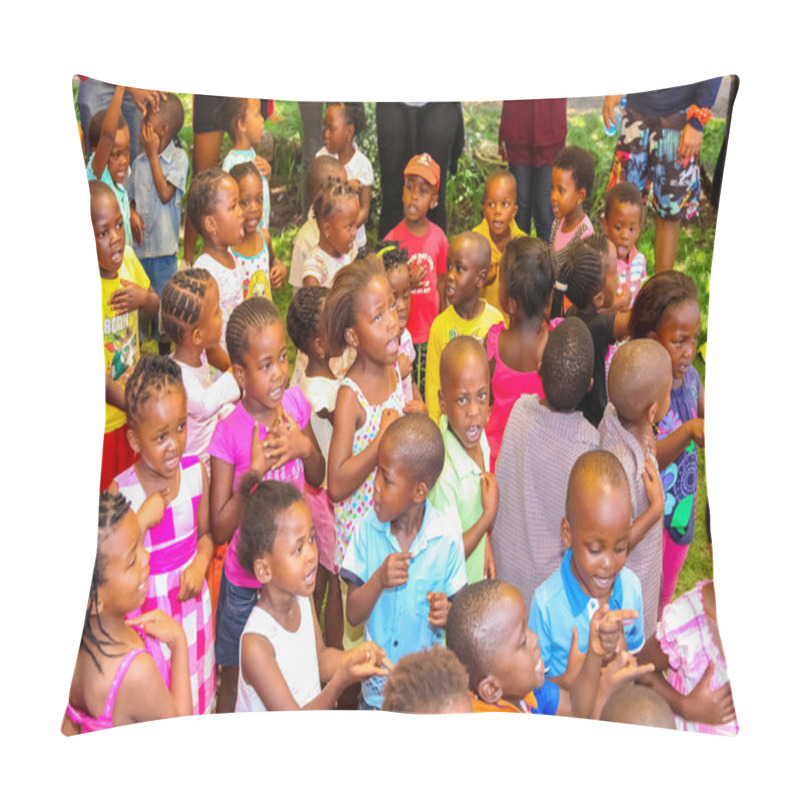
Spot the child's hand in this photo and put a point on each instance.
(697, 430)
(365, 661)
(259, 461)
(652, 487)
(489, 568)
(415, 407)
(262, 165)
(416, 275)
(127, 298)
(574, 662)
(277, 274)
(388, 416)
(605, 630)
(137, 226)
(354, 184)
(490, 495)
(620, 670)
(394, 570)
(404, 365)
(439, 609)
(286, 442)
(191, 581)
(160, 626)
(712, 706)
(149, 139)
(144, 97)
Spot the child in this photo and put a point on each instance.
(668, 312)
(429, 682)
(427, 248)
(125, 288)
(336, 211)
(121, 675)
(487, 630)
(261, 271)
(465, 486)
(589, 277)
(212, 204)
(639, 383)
(319, 386)
(343, 122)
(467, 315)
(241, 118)
(498, 227)
(638, 705)
(268, 433)
(592, 574)
(157, 183)
(621, 223)
(515, 352)
(573, 177)
(180, 546)
(282, 653)
(406, 559)
(543, 439)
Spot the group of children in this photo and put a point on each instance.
(486, 489)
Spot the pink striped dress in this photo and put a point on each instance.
(172, 545)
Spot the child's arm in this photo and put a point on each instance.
(218, 358)
(622, 300)
(108, 133)
(364, 196)
(287, 442)
(130, 296)
(191, 579)
(164, 189)
(115, 394)
(670, 447)
(655, 510)
(361, 599)
(277, 269)
(203, 403)
(621, 320)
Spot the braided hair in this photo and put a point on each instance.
(182, 301)
(151, 377)
(304, 314)
(253, 314)
(582, 274)
(330, 197)
(392, 254)
(354, 115)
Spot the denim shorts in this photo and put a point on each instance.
(233, 608)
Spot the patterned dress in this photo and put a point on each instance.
(349, 512)
(172, 545)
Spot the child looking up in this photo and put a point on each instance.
(515, 352)
(466, 487)
(543, 439)
(573, 177)
(121, 675)
(622, 223)
(639, 383)
(343, 122)
(498, 227)
(282, 653)
(406, 559)
(669, 313)
(427, 253)
(467, 315)
(592, 576)
(125, 288)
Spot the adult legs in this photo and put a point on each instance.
(668, 232)
(542, 209)
(395, 148)
(311, 118)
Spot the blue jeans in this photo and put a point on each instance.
(159, 269)
(533, 198)
(94, 96)
(233, 608)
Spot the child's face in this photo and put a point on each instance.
(294, 558)
(610, 275)
(376, 330)
(394, 491)
(565, 196)
(622, 225)
(253, 123)
(209, 323)
(464, 398)
(127, 568)
(109, 234)
(500, 206)
(251, 199)
(338, 134)
(266, 368)
(158, 433)
(340, 228)
(120, 156)
(465, 272)
(226, 224)
(677, 331)
(597, 530)
(419, 197)
(400, 281)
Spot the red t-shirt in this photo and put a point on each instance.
(429, 250)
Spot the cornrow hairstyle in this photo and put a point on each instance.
(182, 301)
(113, 507)
(528, 269)
(354, 115)
(340, 306)
(253, 314)
(329, 198)
(201, 197)
(582, 274)
(304, 314)
(230, 112)
(657, 294)
(322, 169)
(238, 171)
(567, 364)
(151, 376)
(266, 502)
(622, 193)
(426, 683)
(580, 163)
(96, 126)
(391, 254)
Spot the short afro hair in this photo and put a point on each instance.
(638, 705)
(96, 126)
(567, 364)
(415, 439)
(170, 109)
(598, 468)
(580, 163)
(457, 348)
(640, 371)
(621, 194)
(354, 114)
(497, 176)
(99, 190)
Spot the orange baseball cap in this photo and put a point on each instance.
(424, 166)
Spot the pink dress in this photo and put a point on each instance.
(172, 545)
(106, 719)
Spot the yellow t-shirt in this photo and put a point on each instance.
(491, 290)
(121, 332)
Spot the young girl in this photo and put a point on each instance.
(242, 119)
(666, 310)
(180, 546)
(360, 312)
(343, 122)
(319, 385)
(261, 271)
(121, 675)
(336, 211)
(269, 432)
(282, 653)
(526, 289)
(212, 204)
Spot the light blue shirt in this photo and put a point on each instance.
(399, 620)
(162, 221)
(560, 603)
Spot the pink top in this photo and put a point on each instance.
(563, 240)
(106, 719)
(231, 443)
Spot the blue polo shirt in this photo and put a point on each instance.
(399, 620)
(560, 603)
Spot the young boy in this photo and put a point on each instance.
(498, 227)
(125, 288)
(406, 559)
(592, 575)
(427, 254)
(467, 315)
(639, 384)
(542, 440)
(466, 486)
(622, 223)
